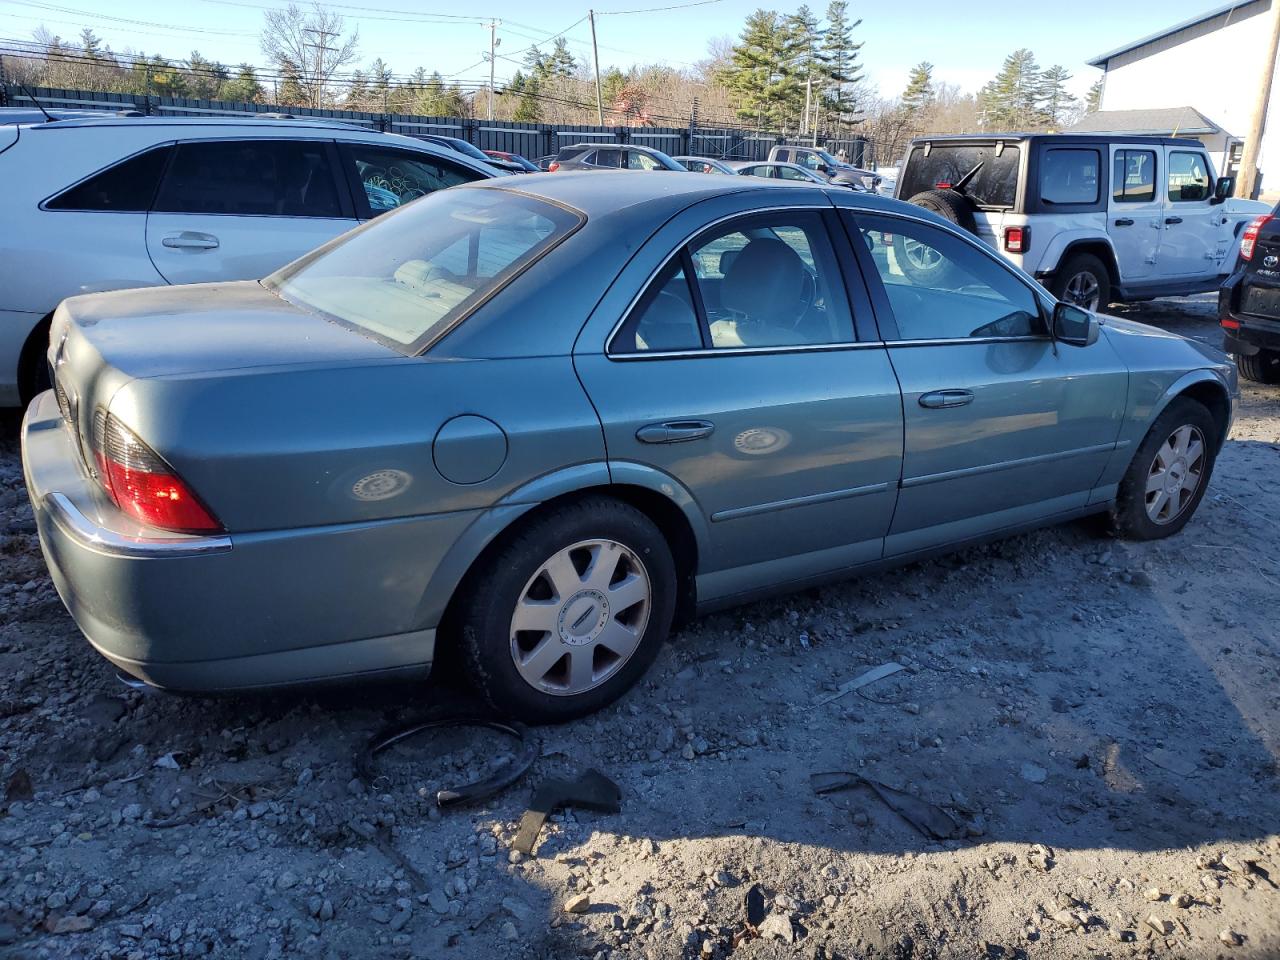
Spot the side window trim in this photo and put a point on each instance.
(1204, 162)
(1071, 204)
(1123, 153)
(880, 298)
(845, 286)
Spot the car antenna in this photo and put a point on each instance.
(48, 118)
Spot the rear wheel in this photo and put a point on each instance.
(1083, 281)
(1169, 473)
(569, 613)
(1262, 367)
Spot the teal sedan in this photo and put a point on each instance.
(538, 421)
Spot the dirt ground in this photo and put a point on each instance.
(1100, 720)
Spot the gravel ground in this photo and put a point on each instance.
(1100, 719)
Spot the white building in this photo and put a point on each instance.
(1196, 79)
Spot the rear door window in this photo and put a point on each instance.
(641, 161)
(994, 185)
(610, 158)
(388, 179)
(129, 186)
(264, 178)
(1133, 176)
(1070, 176)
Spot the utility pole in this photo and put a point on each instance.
(595, 56)
(321, 49)
(493, 48)
(1248, 180)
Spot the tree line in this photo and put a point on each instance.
(795, 73)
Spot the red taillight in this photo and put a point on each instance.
(942, 185)
(1017, 239)
(1227, 323)
(142, 485)
(553, 166)
(1250, 238)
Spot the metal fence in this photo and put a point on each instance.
(528, 139)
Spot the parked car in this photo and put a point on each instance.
(1249, 302)
(458, 145)
(597, 156)
(1098, 219)
(820, 161)
(544, 163)
(785, 171)
(534, 421)
(105, 203)
(704, 165)
(513, 158)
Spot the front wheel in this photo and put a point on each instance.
(568, 614)
(1169, 473)
(1262, 367)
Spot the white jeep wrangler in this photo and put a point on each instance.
(1097, 218)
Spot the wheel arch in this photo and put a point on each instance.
(31, 356)
(659, 497)
(1205, 388)
(1091, 243)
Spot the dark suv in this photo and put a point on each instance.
(1249, 302)
(612, 156)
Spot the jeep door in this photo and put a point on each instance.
(1135, 217)
(1190, 245)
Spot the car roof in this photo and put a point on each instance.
(1066, 135)
(599, 192)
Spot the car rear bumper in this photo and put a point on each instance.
(1249, 334)
(227, 612)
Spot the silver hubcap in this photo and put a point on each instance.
(1175, 474)
(580, 617)
(1082, 290)
(922, 256)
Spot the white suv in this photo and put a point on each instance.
(1096, 218)
(110, 203)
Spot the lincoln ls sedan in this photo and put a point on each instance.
(535, 422)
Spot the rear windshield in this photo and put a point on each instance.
(994, 185)
(408, 276)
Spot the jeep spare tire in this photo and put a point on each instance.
(949, 205)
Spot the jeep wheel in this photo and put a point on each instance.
(1083, 281)
(1262, 367)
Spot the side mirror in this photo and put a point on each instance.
(1224, 188)
(1074, 325)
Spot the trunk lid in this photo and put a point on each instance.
(99, 343)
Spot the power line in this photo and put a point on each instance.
(677, 6)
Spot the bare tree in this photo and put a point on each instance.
(310, 43)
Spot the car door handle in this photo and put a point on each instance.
(189, 240)
(675, 431)
(1170, 221)
(1124, 222)
(939, 399)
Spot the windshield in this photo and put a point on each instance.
(829, 160)
(407, 277)
(994, 185)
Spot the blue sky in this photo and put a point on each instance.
(965, 39)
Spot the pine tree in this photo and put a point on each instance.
(806, 46)
(840, 63)
(1056, 103)
(759, 71)
(357, 97)
(561, 62)
(1013, 100)
(291, 91)
(1093, 99)
(920, 94)
(204, 77)
(90, 44)
(379, 85)
(244, 87)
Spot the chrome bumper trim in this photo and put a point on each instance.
(85, 532)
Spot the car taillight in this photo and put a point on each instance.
(1250, 238)
(1229, 323)
(1017, 239)
(141, 484)
(553, 166)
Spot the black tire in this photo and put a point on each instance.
(1083, 264)
(33, 363)
(487, 609)
(949, 205)
(1130, 518)
(1262, 367)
